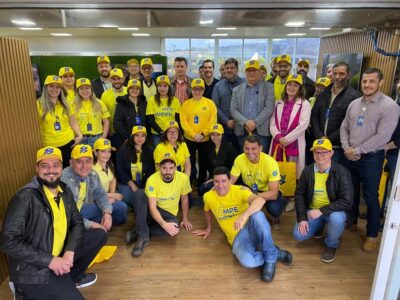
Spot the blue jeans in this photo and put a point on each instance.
(265, 142)
(91, 140)
(93, 213)
(336, 223)
(253, 245)
(156, 139)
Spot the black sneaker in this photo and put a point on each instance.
(137, 250)
(130, 236)
(284, 256)
(328, 255)
(268, 272)
(87, 280)
(319, 234)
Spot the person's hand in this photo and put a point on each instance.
(111, 199)
(186, 224)
(118, 196)
(240, 222)
(202, 232)
(314, 214)
(106, 221)
(77, 140)
(303, 228)
(69, 257)
(171, 228)
(250, 125)
(230, 124)
(284, 141)
(59, 266)
(198, 137)
(95, 225)
(133, 187)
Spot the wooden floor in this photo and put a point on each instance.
(187, 267)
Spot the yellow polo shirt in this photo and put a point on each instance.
(149, 92)
(89, 120)
(226, 209)
(71, 97)
(279, 88)
(137, 168)
(106, 177)
(81, 195)
(320, 196)
(59, 221)
(261, 173)
(163, 113)
(109, 98)
(181, 154)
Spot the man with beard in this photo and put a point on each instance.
(44, 239)
(109, 98)
(222, 95)
(149, 88)
(367, 127)
(309, 85)
(67, 76)
(133, 70)
(274, 69)
(102, 83)
(330, 108)
(209, 79)
(180, 83)
(284, 64)
(222, 71)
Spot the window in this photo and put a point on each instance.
(283, 46)
(174, 48)
(255, 48)
(200, 50)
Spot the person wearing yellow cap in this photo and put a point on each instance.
(148, 84)
(162, 108)
(90, 197)
(196, 115)
(133, 68)
(252, 106)
(180, 82)
(324, 196)
(47, 248)
(91, 113)
(103, 82)
(284, 64)
(109, 98)
(58, 125)
(172, 141)
(303, 66)
(67, 76)
(130, 111)
(320, 85)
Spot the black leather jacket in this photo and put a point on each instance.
(27, 233)
(339, 188)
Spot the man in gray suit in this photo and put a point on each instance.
(252, 106)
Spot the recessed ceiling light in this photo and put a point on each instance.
(296, 34)
(219, 34)
(108, 26)
(30, 28)
(141, 34)
(128, 28)
(295, 24)
(23, 22)
(320, 28)
(60, 34)
(204, 22)
(226, 28)
(346, 29)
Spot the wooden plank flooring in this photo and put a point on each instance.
(187, 267)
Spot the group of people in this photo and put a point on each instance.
(172, 134)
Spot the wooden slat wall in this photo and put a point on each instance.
(389, 40)
(18, 124)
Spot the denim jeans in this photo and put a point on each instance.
(265, 142)
(156, 139)
(91, 140)
(93, 213)
(253, 245)
(275, 207)
(336, 223)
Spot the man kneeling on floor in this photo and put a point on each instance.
(238, 212)
(324, 195)
(43, 236)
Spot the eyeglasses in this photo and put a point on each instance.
(321, 153)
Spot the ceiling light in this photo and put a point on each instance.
(23, 22)
(128, 28)
(30, 28)
(141, 34)
(320, 28)
(346, 29)
(226, 28)
(296, 34)
(60, 34)
(108, 26)
(295, 24)
(219, 34)
(204, 22)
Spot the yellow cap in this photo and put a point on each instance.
(168, 156)
(66, 70)
(134, 83)
(82, 81)
(132, 61)
(116, 72)
(172, 124)
(304, 62)
(102, 144)
(217, 128)
(51, 79)
(137, 129)
(146, 62)
(197, 82)
(48, 152)
(322, 143)
(103, 59)
(325, 81)
(264, 68)
(82, 151)
(163, 79)
(296, 78)
(252, 64)
(284, 57)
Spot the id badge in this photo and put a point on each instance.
(196, 119)
(360, 120)
(254, 188)
(89, 126)
(138, 120)
(137, 177)
(57, 126)
(327, 113)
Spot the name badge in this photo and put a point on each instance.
(360, 121)
(57, 126)
(196, 119)
(327, 113)
(89, 127)
(254, 188)
(138, 120)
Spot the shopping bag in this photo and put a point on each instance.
(287, 169)
(105, 253)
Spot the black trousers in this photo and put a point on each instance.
(63, 287)
(201, 148)
(66, 153)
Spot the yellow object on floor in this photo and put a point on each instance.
(104, 254)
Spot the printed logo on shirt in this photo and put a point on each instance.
(227, 213)
(204, 107)
(274, 173)
(151, 188)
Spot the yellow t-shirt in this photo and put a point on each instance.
(81, 195)
(89, 120)
(279, 88)
(228, 208)
(137, 169)
(149, 92)
(320, 197)
(71, 97)
(109, 98)
(197, 117)
(181, 154)
(261, 173)
(55, 128)
(168, 194)
(59, 221)
(163, 114)
(105, 177)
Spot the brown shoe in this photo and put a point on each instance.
(328, 255)
(276, 223)
(369, 244)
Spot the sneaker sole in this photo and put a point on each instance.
(87, 284)
(144, 246)
(328, 260)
